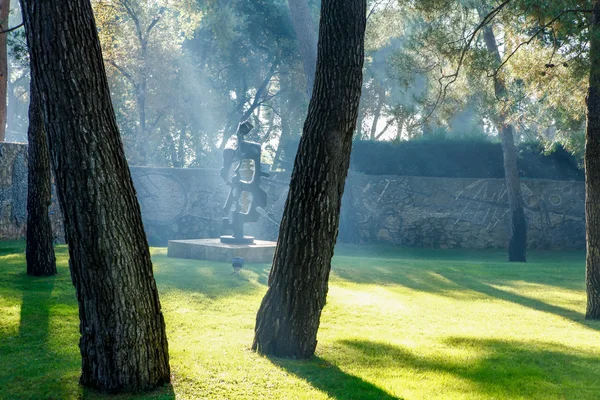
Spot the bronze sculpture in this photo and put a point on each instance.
(257, 197)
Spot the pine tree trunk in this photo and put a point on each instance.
(592, 173)
(4, 13)
(517, 246)
(307, 39)
(380, 103)
(40, 251)
(285, 116)
(288, 318)
(123, 342)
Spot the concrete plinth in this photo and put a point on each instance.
(260, 251)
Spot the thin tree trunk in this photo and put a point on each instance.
(517, 246)
(592, 173)
(12, 106)
(4, 12)
(289, 315)
(181, 147)
(380, 102)
(173, 151)
(123, 342)
(359, 123)
(40, 251)
(307, 39)
(399, 126)
(143, 140)
(285, 116)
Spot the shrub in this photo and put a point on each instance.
(455, 158)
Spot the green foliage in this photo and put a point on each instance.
(451, 324)
(546, 79)
(205, 61)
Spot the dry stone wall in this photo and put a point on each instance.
(13, 191)
(409, 211)
(13, 195)
(469, 213)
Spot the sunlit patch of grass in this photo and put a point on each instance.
(399, 323)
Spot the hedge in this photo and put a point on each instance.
(454, 158)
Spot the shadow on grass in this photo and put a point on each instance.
(11, 247)
(37, 362)
(504, 369)
(165, 393)
(211, 278)
(39, 357)
(330, 379)
(414, 268)
(534, 304)
(459, 279)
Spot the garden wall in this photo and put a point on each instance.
(410, 211)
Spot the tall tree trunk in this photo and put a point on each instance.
(285, 115)
(592, 173)
(12, 104)
(182, 145)
(288, 318)
(143, 139)
(40, 251)
(307, 39)
(380, 103)
(123, 342)
(359, 123)
(399, 126)
(4, 12)
(517, 246)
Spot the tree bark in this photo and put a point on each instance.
(288, 318)
(592, 173)
(4, 12)
(517, 246)
(307, 39)
(123, 342)
(40, 251)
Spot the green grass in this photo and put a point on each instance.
(399, 323)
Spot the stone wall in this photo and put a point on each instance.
(13, 191)
(13, 195)
(470, 213)
(410, 211)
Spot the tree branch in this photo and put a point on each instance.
(380, 134)
(14, 28)
(123, 72)
(532, 37)
(135, 19)
(155, 20)
(454, 76)
(377, 3)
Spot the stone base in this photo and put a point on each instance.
(212, 249)
(230, 239)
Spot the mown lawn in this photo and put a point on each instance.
(399, 323)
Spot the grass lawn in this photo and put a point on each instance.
(398, 324)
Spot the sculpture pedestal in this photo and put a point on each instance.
(230, 239)
(260, 251)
